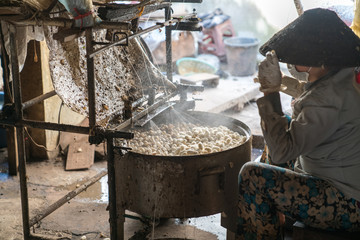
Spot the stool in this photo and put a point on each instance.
(213, 41)
(302, 232)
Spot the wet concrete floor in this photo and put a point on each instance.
(86, 214)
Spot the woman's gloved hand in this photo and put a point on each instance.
(269, 75)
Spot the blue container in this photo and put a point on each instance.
(2, 130)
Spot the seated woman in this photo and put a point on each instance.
(323, 190)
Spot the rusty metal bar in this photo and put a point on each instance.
(38, 99)
(116, 227)
(66, 198)
(65, 23)
(90, 79)
(20, 133)
(146, 111)
(45, 125)
(65, 128)
(168, 45)
(53, 126)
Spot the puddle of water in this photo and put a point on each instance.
(211, 224)
(98, 192)
(4, 172)
(4, 176)
(104, 189)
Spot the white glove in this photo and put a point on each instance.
(269, 75)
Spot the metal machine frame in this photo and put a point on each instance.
(13, 115)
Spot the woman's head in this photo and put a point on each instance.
(318, 38)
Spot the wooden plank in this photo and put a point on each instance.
(229, 94)
(66, 138)
(80, 156)
(206, 79)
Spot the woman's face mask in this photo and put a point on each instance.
(302, 76)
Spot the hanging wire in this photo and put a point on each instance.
(42, 146)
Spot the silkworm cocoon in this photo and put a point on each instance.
(184, 139)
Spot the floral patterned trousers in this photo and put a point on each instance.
(265, 190)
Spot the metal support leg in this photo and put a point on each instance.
(20, 133)
(116, 219)
(91, 78)
(168, 45)
(230, 235)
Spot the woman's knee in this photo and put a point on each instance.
(247, 171)
(248, 167)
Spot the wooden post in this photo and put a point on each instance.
(299, 7)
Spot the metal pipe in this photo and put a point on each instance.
(66, 198)
(65, 23)
(116, 227)
(20, 133)
(38, 99)
(90, 79)
(54, 126)
(65, 128)
(168, 48)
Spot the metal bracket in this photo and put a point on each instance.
(122, 150)
(115, 38)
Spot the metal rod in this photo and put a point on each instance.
(91, 55)
(146, 111)
(38, 99)
(20, 133)
(116, 230)
(53, 126)
(168, 42)
(152, 28)
(65, 23)
(65, 128)
(299, 7)
(154, 113)
(90, 79)
(66, 198)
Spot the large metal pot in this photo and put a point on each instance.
(183, 186)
